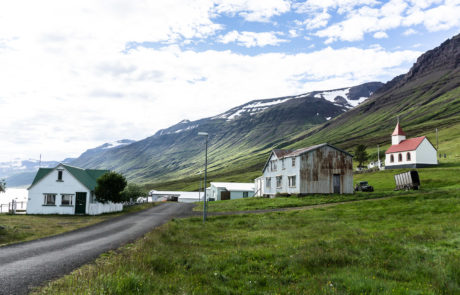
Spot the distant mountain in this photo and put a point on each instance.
(22, 172)
(425, 98)
(235, 136)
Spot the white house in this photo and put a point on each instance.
(415, 152)
(67, 190)
(229, 191)
(321, 169)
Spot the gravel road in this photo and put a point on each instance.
(30, 264)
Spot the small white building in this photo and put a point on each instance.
(415, 152)
(318, 169)
(67, 190)
(220, 191)
(176, 196)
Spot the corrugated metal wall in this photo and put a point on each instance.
(317, 169)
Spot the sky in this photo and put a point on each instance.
(75, 74)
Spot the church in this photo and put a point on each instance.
(417, 152)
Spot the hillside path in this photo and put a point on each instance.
(29, 264)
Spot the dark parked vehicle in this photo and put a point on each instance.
(407, 180)
(363, 186)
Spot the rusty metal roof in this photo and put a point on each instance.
(282, 154)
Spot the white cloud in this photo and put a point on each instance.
(409, 32)
(251, 39)
(253, 10)
(380, 35)
(361, 18)
(293, 33)
(68, 83)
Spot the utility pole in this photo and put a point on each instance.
(205, 173)
(437, 142)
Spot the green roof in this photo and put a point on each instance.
(87, 177)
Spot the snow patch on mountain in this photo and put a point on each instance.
(185, 129)
(340, 97)
(251, 108)
(115, 144)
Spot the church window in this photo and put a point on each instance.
(392, 158)
(408, 156)
(399, 157)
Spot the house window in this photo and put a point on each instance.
(279, 179)
(292, 181)
(282, 164)
(92, 198)
(268, 181)
(49, 199)
(392, 158)
(293, 162)
(399, 157)
(59, 175)
(66, 199)
(245, 194)
(408, 156)
(273, 163)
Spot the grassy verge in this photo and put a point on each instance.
(19, 228)
(404, 245)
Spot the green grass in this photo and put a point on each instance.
(19, 228)
(403, 245)
(445, 176)
(286, 202)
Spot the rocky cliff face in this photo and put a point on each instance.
(442, 59)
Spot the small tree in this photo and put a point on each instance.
(361, 155)
(133, 191)
(109, 188)
(2, 185)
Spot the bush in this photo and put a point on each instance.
(109, 188)
(133, 191)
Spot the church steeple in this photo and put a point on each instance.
(398, 135)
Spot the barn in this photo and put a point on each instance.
(318, 169)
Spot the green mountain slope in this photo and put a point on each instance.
(425, 98)
(239, 138)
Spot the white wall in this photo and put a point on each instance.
(259, 185)
(404, 158)
(396, 139)
(284, 173)
(240, 194)
(426, 153)
(48, 184)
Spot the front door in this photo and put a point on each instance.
(224, 195)
(80, 203)
(336, 183)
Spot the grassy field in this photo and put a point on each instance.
(403, 245)
(442, 177)
(19, 228)
(407, 244)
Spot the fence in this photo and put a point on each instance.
(13, 207)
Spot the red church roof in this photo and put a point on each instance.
(398, 130)
(405, 145)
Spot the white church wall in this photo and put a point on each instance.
(426, 153)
